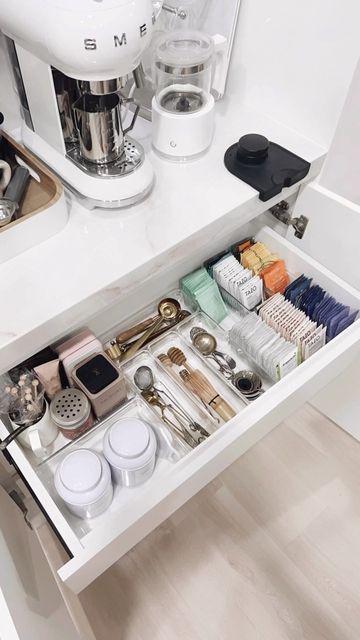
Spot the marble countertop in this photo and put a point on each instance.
(58, 283)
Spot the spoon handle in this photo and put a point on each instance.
(135, 330)
(141, 341)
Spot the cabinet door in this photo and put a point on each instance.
(332, 203)
(31, 607)
(332, 206)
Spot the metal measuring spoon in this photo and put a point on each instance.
(168, 310)
(206, 344)
(249, 384)
(144, 380)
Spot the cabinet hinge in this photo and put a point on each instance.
(19, 501)
(281, 213)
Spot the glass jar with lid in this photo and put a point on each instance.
(186, 59)
(183, 109)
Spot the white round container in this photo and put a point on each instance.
(83, 481)
(183, 136)
(130, 448)
(40, 435)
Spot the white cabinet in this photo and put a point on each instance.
(332, 204)
(96, 547)
(31, 606)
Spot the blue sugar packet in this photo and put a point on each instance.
(335, 320)
(335, 310)
(326, 311)
(293, 285)
(346, 322)
(296, 293)
(317, 308)
(314, 300)
(310, 298)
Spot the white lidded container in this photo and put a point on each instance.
(183, 109)
(83, 481)
(130, 448)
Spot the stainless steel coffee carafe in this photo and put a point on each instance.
(100, 130)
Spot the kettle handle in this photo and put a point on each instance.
(136, 113)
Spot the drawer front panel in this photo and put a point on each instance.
(104, 545)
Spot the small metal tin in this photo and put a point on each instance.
(70, 410)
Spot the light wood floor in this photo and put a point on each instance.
(269, 551)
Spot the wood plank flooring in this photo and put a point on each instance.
(268, 551)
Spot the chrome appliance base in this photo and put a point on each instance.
(125, 165)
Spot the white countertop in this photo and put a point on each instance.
(59, 283)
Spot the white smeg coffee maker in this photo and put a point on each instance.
(71, 58)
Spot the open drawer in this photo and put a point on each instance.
(138, 511)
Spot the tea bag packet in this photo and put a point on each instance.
(311, 298)
(239, 247)
(313, 343)
(295, 291)
(209, 264)
(290, 322)
(288, 360)
(346, 322)
(325, 312)
(232, 277)
(210, 301)
(250, 294)
(320, 307)
(200, 289)
(264, 351)
(257, 257)
(336, 310)
(335, 321)
(270, 351)
(275, 278)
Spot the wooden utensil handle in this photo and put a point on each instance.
(135, 330)
(141, 341)
(225, 411)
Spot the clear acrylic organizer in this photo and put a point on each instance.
(93, 439)
(243, 362)
(173, 339)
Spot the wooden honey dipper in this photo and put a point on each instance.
(165, 360)
(200, 386)
(178, 357)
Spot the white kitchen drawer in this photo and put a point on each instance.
(96, 548)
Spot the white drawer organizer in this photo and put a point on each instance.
(134, 513)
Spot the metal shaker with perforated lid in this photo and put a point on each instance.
(70, 409)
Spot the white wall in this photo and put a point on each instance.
(295, 60)
(340, 173)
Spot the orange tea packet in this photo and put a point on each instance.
(275, 278)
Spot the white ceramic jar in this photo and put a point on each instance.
(83, 481)
(130, 448)
(40, 435)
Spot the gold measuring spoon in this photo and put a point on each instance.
(168, 310)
